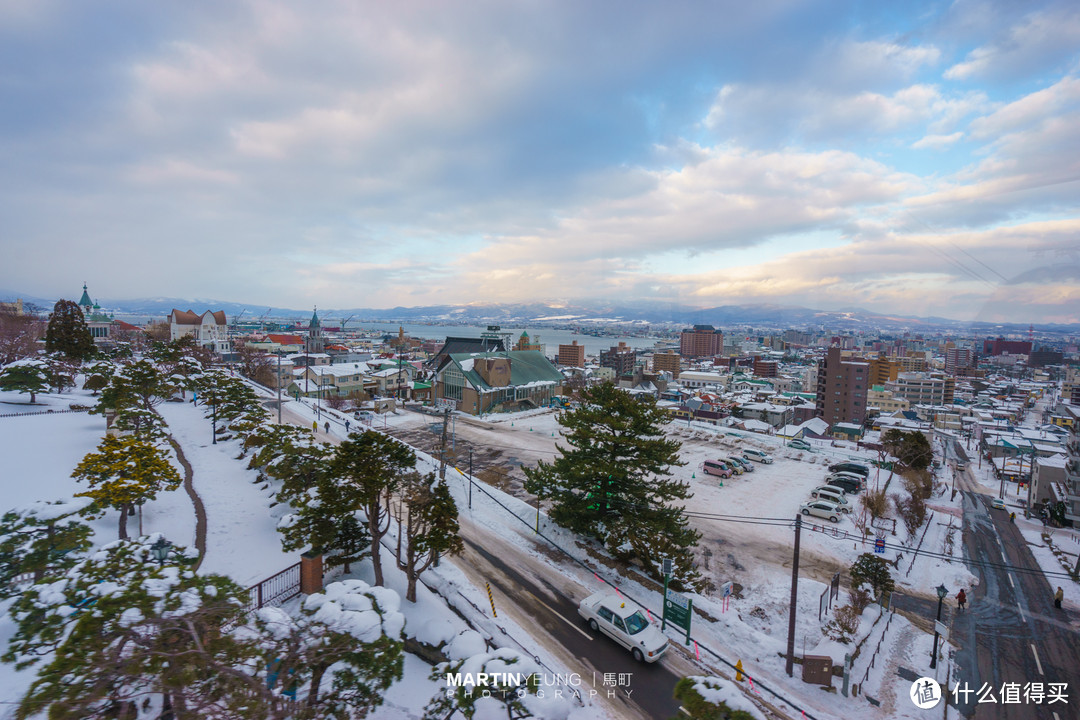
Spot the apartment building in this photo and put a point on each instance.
(920, 388)
(572, 355)
(621, 359)
(669, 361)
(842, 385)
(701, 341)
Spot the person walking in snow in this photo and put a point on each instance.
(961, 599)
(327, 427)
(314, 427)
(346, 427)
(1058, 597)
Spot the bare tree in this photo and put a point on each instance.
(19, 335)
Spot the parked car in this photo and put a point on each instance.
(735, 467)
(832, 494)
(716, 467)
(961, 466)
(745, 464)
(627, 626)
(844, 483)
(822, 509)
(852, 467)
(800, 444)
(757, 456)
(997, 504)
(849, 475)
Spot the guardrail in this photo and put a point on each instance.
(44, 412)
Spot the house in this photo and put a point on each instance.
(209, 330)
(328, 379)
(498, 382)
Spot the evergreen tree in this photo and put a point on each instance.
(122, 636)
(873, 570)
(614, 481)
(344, 648)
(912, 448)
(62, 371)
(25, 376)
(502, 696)
(99, 376)
(428, 526)
(42, 538)
(697, 697)
(67, 332)
(124, 472)
(368, 468)
(133, 392)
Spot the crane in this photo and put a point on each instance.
(262, 327)
(346, 320)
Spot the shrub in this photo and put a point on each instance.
(844, 624)
(860, 598)
(876, 503)
(873, 570)
(913, 512)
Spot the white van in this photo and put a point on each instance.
(757, 456)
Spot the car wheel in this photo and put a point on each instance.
(805, 512)
(593, 626)
(637, 655)
(813, 495)
(833, 519)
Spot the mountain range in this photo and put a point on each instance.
(586, 313)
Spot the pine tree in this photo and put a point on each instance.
(124, 472)
(119, 631)
(427, 517)
(873, 570)
(614, 481)
(26, 376)
(368, 467)
(345, 648)
(67, 332)
(42, 538)
(912, 448)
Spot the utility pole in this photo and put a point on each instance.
(442, 454)
(470, 478)
(790, 665)
(279, 388)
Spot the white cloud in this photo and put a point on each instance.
(1043, 39)
(937, 142)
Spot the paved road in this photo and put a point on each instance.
(651, 685)
(1011, 632)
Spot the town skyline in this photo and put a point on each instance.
(918, 161)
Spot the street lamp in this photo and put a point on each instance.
(942, 591)
(213, 408)
(160, 550)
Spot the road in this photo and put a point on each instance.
(1011, 631)
(548, 606)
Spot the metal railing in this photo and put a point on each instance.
(274, 590)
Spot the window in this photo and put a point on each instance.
(619, 625)
(604, 613)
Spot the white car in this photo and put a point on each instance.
(627, 626)
(834, 495)
(822, 509)
(997, 504)
(757, 456)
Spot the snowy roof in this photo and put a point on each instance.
(527, 368)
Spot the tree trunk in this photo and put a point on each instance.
(316, 679)
(123, 520)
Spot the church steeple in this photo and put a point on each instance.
(315, 342)
(85, 302)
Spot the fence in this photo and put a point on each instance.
(274, 590)
(877, 649)
(44, 412)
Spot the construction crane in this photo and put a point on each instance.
(262, 327)
(236, 322)
(346, 320)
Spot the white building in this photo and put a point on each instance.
(208, 330)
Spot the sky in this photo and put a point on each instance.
(916, 158)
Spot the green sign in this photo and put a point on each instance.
(677, 610)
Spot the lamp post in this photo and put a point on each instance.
(160, 550)
(213, 417)
(942, 591)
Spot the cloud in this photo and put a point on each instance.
(937, 142)
(1043, 40)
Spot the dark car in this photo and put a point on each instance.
(851, 468)
(847, 484)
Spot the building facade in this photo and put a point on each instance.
(701, 341)
(669, 361)
(920, 388)
(842, 386)
(621, 359)
(572, 355)
(209, 330)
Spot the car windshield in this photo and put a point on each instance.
(636, 623)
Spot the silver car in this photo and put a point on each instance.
(832, 494)
(822, 509)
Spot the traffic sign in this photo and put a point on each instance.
(879, 545)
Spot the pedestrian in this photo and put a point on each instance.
(1012, 517)
(327, 427)
(314, 427)
(346, 427)
(1058, 597)
(961, 599)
